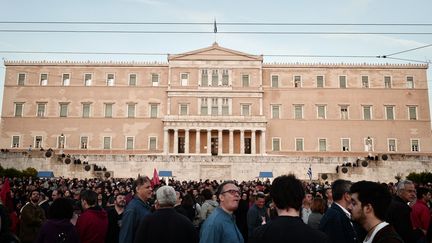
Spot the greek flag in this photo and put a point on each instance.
(309, 172)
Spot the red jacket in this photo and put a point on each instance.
(92, 225)
(420, 216)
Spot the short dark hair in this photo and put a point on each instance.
(287, 192)
(207, 194)
(339, 188)
(421, 191)
(221, 186)
(374, 194)
(89, 196)
(61, 208)
(141, 180)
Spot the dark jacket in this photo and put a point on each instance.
(114, 224)
(135, 211)
(92, 225)
(59, 231)
(399, 216)
(168, 226)
(336, 224)
(387, 235)
(32, 218)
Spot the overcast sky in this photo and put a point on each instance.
(224, 11)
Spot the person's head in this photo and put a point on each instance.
(56, 194)
(423, 193)
(166, 197)
(369, 200)
(143, 188)
(178, 198)
(120, 200)
(318, 205)
(287, 192)
(88, 198)
(229, 196)
(406, 190)
(308, 198)
(329, 194)
(34, 196)
(61, 208)
(207, 194)
(260, 200)
(341, 192)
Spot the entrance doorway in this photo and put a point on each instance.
(214, 146)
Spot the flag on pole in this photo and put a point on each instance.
(155, 181)
(309, 172)
(215, 27)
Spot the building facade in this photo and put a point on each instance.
(216, 102)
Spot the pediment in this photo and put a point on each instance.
(215, 52)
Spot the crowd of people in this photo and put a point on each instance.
(147, 210)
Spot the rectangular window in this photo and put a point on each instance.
(415, 145)
(297, 81)
(110, 79)
(367, 112)
(41, 109)
(44, 79)
(184, 79)
(107, 142)
(19, 109)
(322, 144)
(345, 144)
(84, 142)
(298, 112)
(85, 110)
(66, 79)
(245, 80)
(129, 142)
(15, 141)
(61, 141)
(132, 79)
(410, 82)
(204, 78)
(215, 78)
(412, 112)
(215, 107)
(155, 79)
(344, 112)
(390, 112)
(183, 109)
(275, 111)
(275, 81)
(64, 109)
(276, 144)
(225, 107)
(245, 110)
(365, 81)
(131, 110)
(38, 142)
(225, 77)
(320, 81)
(152, 143)
(387, 82)
(299, 144)
(154, 110)
(342, 82)
(204, 107)
(108, 110)
(392, 145)
(21, 79)
(88, 79)
(321, 111)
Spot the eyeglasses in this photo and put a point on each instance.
(232, 192)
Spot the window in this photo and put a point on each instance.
(204, 107)
(154, 110)
(299, 144)
(183, 109)
(392, 145)
(66, 79)
(19, 109)
(412, 112)
(83, 142)
(342, 82)
(387, 82)
(410, 82)
(320, 81)
(214, 107)
(129, 142)
(275, 111)
(131, 110)
(215, 78)
(225, 107)
(322, 144)
(44, 79)
(61, 141)
(345, 144)
(276, 144)
(155, 79)
(184, 77)
(38, 142)
(15, 141)
(344, 112)
(132, 79)
(245, 80)
(88, 79)
(41, 109)
(367, 112)
(225, 77)
(86, 110)
(245, 109)
(365, 81)
(275, 81)
(108, 110)
(297, 81)
(64, 109)
(107, 142)
(21, 79)
(368, 144)
(110, 79)
(298, 112)
(204, 77)
(390, 112)
(152, 143)
(321, 111)
(415, 145)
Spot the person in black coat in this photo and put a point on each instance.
(165, 224)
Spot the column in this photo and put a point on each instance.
(186, 141)
(231, 141)
(208, 142)
(242, 145)
(263, 142)
(198, 142)
(220, 144)
(166, 142)
(175, 150)
(253, 142)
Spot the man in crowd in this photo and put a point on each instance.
(328, 196)
(257, 214)
(420, 215)
(32, 217)
(165, 224)
(306, 207)
(220, 226)
(136, 210)
(370, 201)
(115, 215)
(56, 194)
(287, 193)
(336, 222)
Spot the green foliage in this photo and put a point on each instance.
(30, 172)
(421, 178)
(12, 172)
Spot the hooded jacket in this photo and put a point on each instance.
(207, 208)
(92, 225)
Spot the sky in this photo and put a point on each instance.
(349, 46)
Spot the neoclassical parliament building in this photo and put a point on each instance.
(218, 113)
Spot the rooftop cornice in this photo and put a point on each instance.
(344, 65)
(83, 63)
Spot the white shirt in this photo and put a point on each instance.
(377, 228)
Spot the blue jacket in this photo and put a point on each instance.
(220, 227)
(336, 224)
(135, 211)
